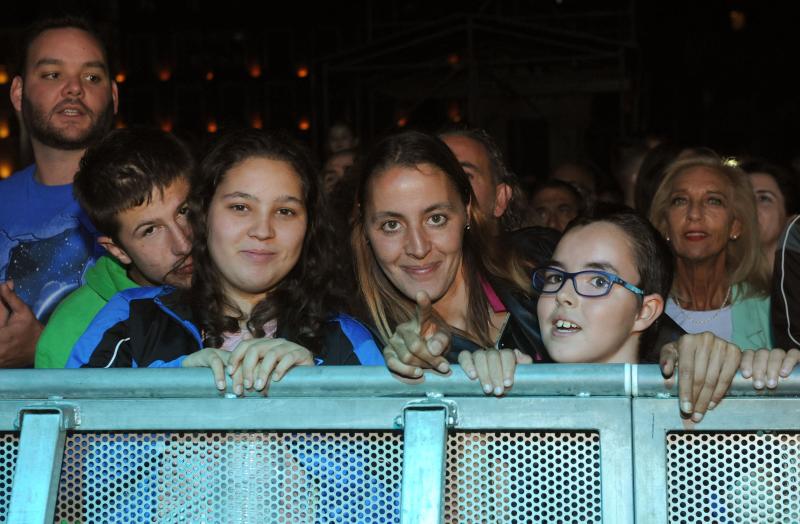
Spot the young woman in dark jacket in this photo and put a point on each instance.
(263, 291)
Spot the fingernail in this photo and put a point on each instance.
(221, 385)
(229, 370)
(418, 372)
(712, 405)
(507, 383)
(498, 391)
(259, 384)
(697, 417)
(247, 383)
(276, 378)
(487, 388)
(785, 372)
(238, 390)
(444, 367)
(472, 374)
(758, 384)
(686, 407)
(435, 347)
(771, 383)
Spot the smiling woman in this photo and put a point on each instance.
(428, 269)
(706, 210)
(263, 296)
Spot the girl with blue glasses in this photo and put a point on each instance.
(602, 296)
(604, 289)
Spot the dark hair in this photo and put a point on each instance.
(387, 306)
(784, 181)
(534, 245)
(124, 170)
(651, 172)
(302, 302)
(651, 253)
(65, 22)
(514, 215)
(553, 183)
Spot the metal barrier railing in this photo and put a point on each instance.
(570, 443)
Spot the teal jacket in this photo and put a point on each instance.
(751, 321)
(74, 314)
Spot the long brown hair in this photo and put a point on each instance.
(303, 300)
(387, 306)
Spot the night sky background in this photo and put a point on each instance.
(552, 80)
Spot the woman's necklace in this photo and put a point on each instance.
(706, 320)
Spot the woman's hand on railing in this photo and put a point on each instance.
(418, 344)
(213, 358)
(493, 367)
(257, 362)
(706, 367)
(768, 366)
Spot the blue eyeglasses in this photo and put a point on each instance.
(591, 283)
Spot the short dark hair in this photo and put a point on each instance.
(553, 183)
(123, 171)
(65, 22)
(515, 211)
(652, 255)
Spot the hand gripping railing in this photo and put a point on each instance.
(628, 407)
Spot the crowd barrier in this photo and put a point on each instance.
(570, 443)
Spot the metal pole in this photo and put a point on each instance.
(422, 499)
(35, 484)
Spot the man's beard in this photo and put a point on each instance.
(40, 129)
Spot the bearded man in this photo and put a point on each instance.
(67, 100)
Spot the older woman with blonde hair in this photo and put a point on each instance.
(705, 209)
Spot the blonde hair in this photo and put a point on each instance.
(744, 261)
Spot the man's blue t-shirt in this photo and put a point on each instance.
(46, 241)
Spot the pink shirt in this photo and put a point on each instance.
(494, 300)
(231, 340)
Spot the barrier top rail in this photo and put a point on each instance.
(563, 380)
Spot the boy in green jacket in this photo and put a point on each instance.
(133, 185)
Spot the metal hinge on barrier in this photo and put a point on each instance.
(70, 415)
(432, 401)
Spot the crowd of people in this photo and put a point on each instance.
(419, 251)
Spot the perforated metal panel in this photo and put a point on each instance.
(9, 445)
(231, 477)
(523, 477)
(733, 477)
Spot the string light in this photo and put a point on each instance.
(5, 170)
(256, 122)
(302, 72)
(402, 121)
(5, 131)
(120, 78)
(164, 74)
(738, 19)
(166, 125)
(454, 112)
(209, 76)
(255, 70)
(304, 124)
(3, 75)
(211, 127)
